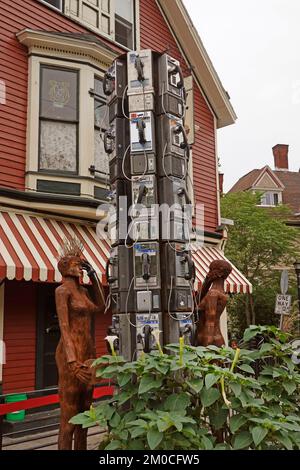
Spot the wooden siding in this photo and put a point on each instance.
(156, 35)
(19, 336)
(15, 16)
(19, 372)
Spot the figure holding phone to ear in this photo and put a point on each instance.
(75, 309)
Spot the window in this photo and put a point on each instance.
(54, 3)
(269, 199)
(114, 18)
(58, 147)
(124, 22)
(100, 124)
(94, 13)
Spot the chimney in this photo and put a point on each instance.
(281, 157)
(221, 181)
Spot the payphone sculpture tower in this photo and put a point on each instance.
(150, 270)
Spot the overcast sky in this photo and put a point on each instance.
(254, 46)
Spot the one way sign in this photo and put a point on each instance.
(283, 304)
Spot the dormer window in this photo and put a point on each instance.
(270, 199)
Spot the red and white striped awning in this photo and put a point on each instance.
(29, 246)
(236, 281)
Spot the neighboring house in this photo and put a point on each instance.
(278, 186)
(61, 49)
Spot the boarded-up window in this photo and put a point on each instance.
(58, 120)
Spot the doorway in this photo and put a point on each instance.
(48, 335)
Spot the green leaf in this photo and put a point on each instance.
(247, 368)
(136, 444)
(123, 379)
(178, 401)
(195, 384)
(258, 434)
(208, 445)
(154, 438)
(115, 420)
(80, 419)
(148, 383)
(290, 387)
(210, 380)
(285, 440)
(250, 333)
(237, 421)
(138, 422)
(266, 347)
(218, 417)
(208, 397)
(236, 388)
(136, 432)
(114, 445)
(242, 440)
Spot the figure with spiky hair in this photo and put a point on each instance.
(75, 309)
(213, 301)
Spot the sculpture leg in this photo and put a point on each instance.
(80, 434)
(69, 396)
(66, 429)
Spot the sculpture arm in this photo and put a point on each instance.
(61, 300)
(98, 292)
(99, 297)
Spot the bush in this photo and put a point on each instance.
(202, 398)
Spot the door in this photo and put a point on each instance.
(48, 335)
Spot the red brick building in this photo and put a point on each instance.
(46, 189)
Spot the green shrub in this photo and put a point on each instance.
(202, 398)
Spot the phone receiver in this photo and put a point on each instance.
(179, 129)
(191, 272)
(147, 338)
(176, 69)
(142, 192)
(139, 65)
(146, 266)
(109, 141)
(110, 279)
(183, 192)
(141, 126)
(108, 80)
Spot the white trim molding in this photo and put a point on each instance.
(193, 48)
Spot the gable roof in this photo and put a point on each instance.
(252, 179)
(291, 193)
(246, 181)
(289, 181)
(190, 43)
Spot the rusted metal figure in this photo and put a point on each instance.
(74, 309)
(213, 301)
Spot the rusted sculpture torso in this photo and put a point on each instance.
(212, 304)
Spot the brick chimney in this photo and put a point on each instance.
(221, 182)
(281, 157)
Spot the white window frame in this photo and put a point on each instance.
(66, 9)
(85, 127)
(52, 6)
(271, 195)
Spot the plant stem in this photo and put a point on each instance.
(222, 381)
(235, 359)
